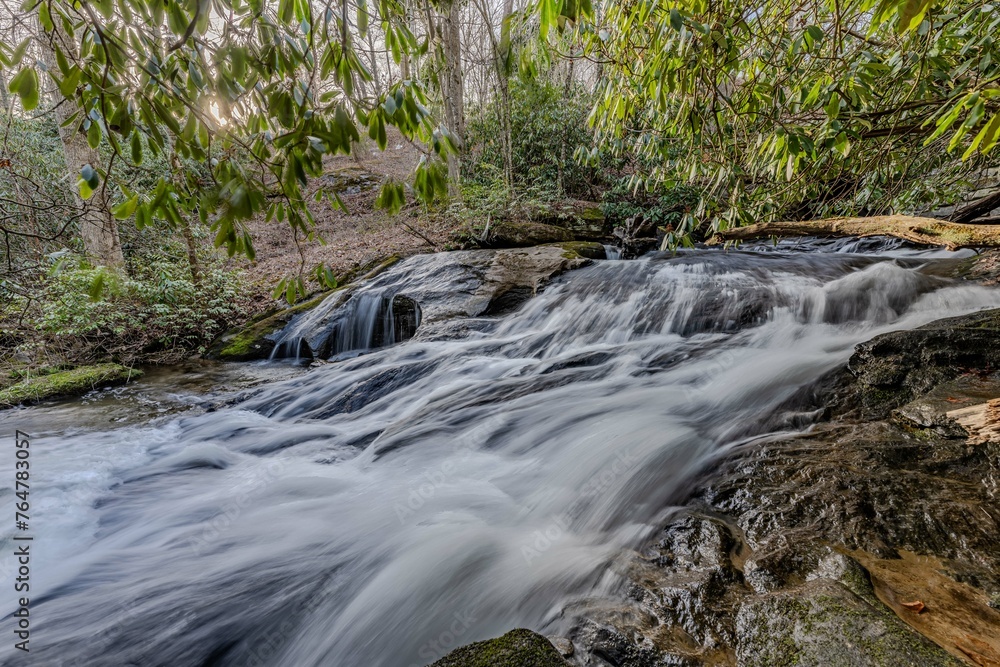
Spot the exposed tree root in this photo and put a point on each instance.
(924, 231)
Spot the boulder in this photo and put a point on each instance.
(583, 219)
(256, 339)
(517, 648)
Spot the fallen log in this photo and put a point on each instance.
(981, 422)
(923, 231)
(975, 209)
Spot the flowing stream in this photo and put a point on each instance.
(383, 509)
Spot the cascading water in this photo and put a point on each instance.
(384, 509)
(370, 319)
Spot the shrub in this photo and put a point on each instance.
(666, 209)
(89, 314)
(548, 123)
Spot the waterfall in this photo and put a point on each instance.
(382, 510)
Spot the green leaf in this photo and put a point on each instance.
(96, 286)
(18, 55)
(391, 197)
(911, 13)
(86, 192)
(136, 146)
(90, 176)
(832, 107)
(94, 135)
(69, 83)
(25, 86)
(126, 209)
(675, 20)
(45, 17)
(991, 134)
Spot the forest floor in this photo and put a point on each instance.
(361, 235)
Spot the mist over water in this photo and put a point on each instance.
(385, 509)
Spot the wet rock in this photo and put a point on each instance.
(517, 648)
(511, 234)
(931, 410)
(492, 282)
(823, 624)
(256, 339)
(774, 558)
(563, 645)
(894, 368)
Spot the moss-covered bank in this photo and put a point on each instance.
(66, 383)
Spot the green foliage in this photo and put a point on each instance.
(99, 313)
(278, 85)
(670, 210)
(791, 109)
(548, 125)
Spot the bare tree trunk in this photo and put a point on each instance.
(404, 62)
(186, 231)
(376, 79)
(503, 88)
(452, 88)
(98, 227)
(4, 97)
(192, 251)
(567, 89)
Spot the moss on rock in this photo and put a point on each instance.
(66, 383)
(517, 648)
(825, 625)
(510, 234)
(252, 341)
(583, 249)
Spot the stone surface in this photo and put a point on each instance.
(517, 648)
(255, 340)
(814, 549)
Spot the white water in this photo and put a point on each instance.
(382, 510)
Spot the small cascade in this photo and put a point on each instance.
(368, 320)
(612, 251)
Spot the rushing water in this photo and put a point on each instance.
(381, 510)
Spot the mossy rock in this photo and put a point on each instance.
(510, 234)
(517, 648)
(584, 249)
(66, 383)
(824, 624)
(584, 219)
(254, 340)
